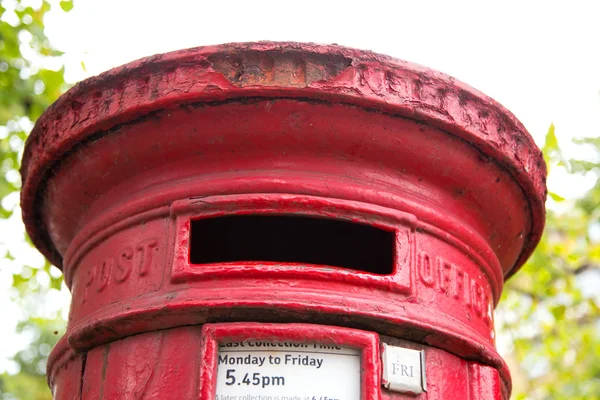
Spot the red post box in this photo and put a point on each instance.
(275, 221)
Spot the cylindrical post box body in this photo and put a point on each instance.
(280, 221)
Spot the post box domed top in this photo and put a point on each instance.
(314, 73)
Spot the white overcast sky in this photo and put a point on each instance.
(540, 59)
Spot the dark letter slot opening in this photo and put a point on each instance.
(294, 239)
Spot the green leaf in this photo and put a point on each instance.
(66, 5)
(556, 197)
(551, 142)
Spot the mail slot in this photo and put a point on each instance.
(281, 221)
(292, 238)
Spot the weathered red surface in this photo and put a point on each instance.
(117, 170)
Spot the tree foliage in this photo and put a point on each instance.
(31, 78)
(27, 81)
(549, 311)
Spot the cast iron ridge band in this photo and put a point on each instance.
(331, 73)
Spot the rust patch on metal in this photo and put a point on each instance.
(276, 68)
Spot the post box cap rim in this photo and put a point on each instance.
(329, 73)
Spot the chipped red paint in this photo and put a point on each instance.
(117, 170)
